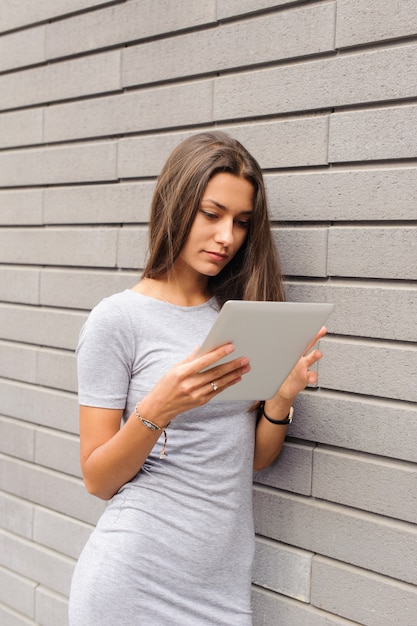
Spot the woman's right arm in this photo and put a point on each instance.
(111, 456)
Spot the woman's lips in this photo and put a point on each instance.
(216, 256)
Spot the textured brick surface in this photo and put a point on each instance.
(308, 30)
(383, 486)
(374, 21)
(128, 21)
(360, 595)
(144, 110)
(362, 539)
(374, 135)
(22, 48)
(63, 164)
(358, 308)
(49, 83)
(83, 289)
(373, 252)
(292, 470)
(370, 424)
(99, 204)
(21, 206)
(26, 12)
(320, 84)
(94, 95)
(51, 608)
(269, 607)
(354, 195)
(282, 569)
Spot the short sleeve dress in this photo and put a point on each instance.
(175, 545)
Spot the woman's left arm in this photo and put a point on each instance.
(269, 437)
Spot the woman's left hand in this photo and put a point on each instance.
(301, 375)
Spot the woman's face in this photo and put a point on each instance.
(220, 226)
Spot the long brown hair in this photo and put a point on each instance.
(254, 273)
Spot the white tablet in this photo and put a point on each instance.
(273, 335)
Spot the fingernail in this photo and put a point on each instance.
(229, 348)
(244, 361)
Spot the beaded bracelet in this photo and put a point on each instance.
(151, 426)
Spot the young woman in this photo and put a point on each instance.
(175, 544)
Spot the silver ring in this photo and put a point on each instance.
(214, 386)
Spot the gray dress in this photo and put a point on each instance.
(174, 546)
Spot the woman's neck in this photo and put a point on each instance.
(180, 292)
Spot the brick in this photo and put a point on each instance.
(267, 605)
(369, 425)
(358, 308)
(376, 21)
(129, 21)
(83, 289)
(60, 81)
(132, 247)
(22, 128)
(26, 12)
(22, 48)
(231, 8)
(155, 108)
(21, 207)
(287, 34)
(367, 483)
(318, 84)
(59, 532)
(51, 608)
(373, 252)
(52, 328)
(34, 562)
(17, 438)
(366, 540)
(303, 251)
(370, 368)
(376, 194)
(19, 285)
(292, 471)
(373, 135)
(62, 164)
(16, 362)
(57, 451)
(57, 369)
(8, 617)
(283, 569)
(46, 407)
(301, 142)
(59, 246)
(98, 204)
(361, 596)
(17, 592)
(147, 154)
(16, 515)
(62, 493)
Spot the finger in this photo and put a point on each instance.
(220, 384)
(320, 334)
(312, 358)
(208, 359)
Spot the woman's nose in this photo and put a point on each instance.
(224, 232)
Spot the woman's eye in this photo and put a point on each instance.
(210, 216)
(243, 223)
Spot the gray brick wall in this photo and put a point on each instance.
(94, 94)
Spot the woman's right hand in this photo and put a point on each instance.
(192, 383)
